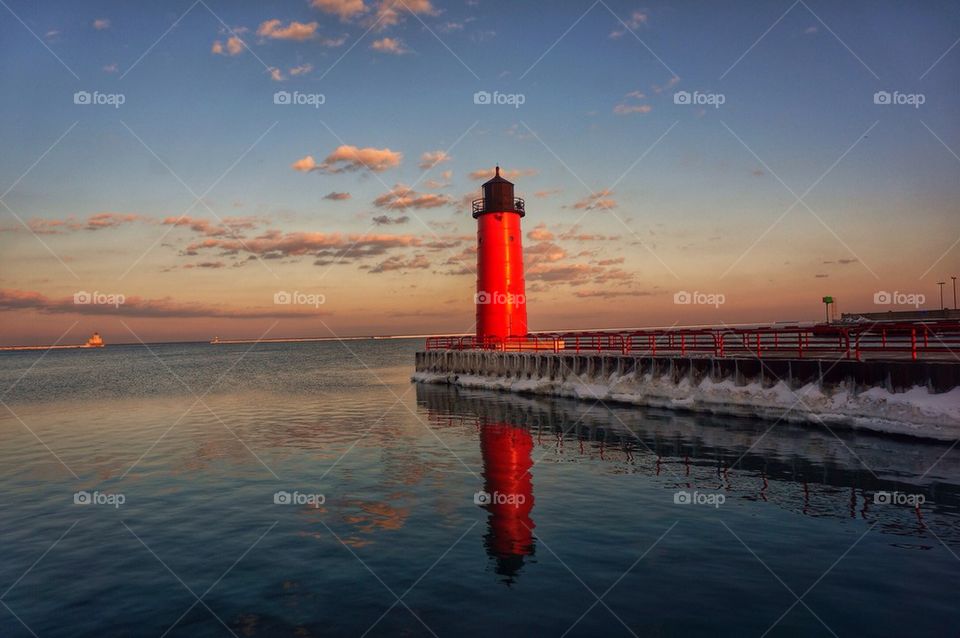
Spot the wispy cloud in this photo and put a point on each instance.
(601, 200)
(234, 46)
(386, 220)
(431, 158)
(344, 9)
(487, 173)
(166, 307)
(401, 197)
(393, 46)
(298, 31)
(348, 158)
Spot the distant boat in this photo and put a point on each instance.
(96, 341)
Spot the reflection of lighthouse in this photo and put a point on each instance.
(501, 300)
(506, 453)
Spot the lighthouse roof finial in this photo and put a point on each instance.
(497, 178)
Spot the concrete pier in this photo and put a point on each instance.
(915, 397)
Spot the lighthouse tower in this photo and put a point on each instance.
(501, 300)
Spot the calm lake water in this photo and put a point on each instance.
(311, 490)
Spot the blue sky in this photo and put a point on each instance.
(598, 84)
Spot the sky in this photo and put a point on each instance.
(177, 170)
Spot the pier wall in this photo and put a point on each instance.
(911, 397)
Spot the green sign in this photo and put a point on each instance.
(828, 300)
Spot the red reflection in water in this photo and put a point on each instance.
(506, 451)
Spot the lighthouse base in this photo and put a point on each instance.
(903, 397)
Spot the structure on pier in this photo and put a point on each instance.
(501, 297)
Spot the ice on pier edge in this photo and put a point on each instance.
(916, 411)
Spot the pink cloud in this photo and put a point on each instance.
(393, 46)
(347, 158)
(298, 31)
(344, 9)
(390, 12)
(402, 197)
(234, 46)
(431, 158)
(109, 220)
(540, 233)
(601, 200)
(305, 164)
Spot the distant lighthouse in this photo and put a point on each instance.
(501, 299)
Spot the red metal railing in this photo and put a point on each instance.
(877, 340)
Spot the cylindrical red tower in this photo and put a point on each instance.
(501, 297)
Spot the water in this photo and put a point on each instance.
(197, 440)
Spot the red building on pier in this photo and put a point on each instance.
(501, 297)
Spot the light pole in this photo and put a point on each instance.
(954, 277)
(940, 283)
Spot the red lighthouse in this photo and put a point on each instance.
(501, 299)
